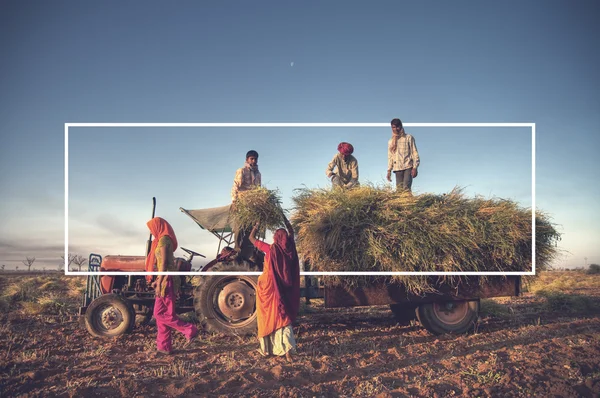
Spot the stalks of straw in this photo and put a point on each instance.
(258, 205)
(377, 229)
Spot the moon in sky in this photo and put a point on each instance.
(291, 64)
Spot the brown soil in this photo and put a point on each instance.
(525, 346)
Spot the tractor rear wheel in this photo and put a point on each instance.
(449, 316)
(109, 315)
(227, 303)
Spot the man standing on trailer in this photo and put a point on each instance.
(403, 157)
(246, 178)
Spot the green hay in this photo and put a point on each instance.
(258, 205)
(378, 230)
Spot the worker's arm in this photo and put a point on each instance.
(353, 167)
(161, 266)
(390, 162)
(415, 157)
(237, 183)
(329, 171)
(257, 178)
(288, 226)
(252, 236)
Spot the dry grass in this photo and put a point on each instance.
(41, 295)
(377, 229)
(563, 281)
(258, 205)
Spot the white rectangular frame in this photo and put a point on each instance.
(530, 125)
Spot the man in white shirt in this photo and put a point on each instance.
(403, 158)
(246, 178)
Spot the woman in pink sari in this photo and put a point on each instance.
(166, 286)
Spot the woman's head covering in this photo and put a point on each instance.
(396, 134)
(159, 227)
(280, 238)
(286, 269)
(345, 148)
(396, 122)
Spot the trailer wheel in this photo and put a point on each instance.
(110, 315)
(448, 316)
(227, 303)
(404, 313)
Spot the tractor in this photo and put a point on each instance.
(113, 303)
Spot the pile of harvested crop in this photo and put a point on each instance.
(379, 230)
(257, 205)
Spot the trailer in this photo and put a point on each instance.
(114, 305)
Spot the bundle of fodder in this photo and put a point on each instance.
(379, 230)
(258, 205)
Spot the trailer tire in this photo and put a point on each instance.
(404, 313)
(227, 303)
(448, 316)
(109, 316)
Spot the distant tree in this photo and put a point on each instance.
(16, 267)
(3, 266)
(79, 261)
(67, 263)
(28, 263)
(594, 269)
(44, 269)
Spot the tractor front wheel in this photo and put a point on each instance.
(109, 316)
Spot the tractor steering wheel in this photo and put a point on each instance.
(192, 253)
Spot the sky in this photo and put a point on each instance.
(301, 62)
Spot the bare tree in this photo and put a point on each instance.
(79, 261)
(28, 263)
(67, 264)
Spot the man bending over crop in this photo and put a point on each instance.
(343, 168)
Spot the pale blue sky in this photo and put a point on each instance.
(463, 61)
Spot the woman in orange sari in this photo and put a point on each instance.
(166, 286)
(278, 293)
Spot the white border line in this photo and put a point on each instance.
(68, 125)
(532, 199)
(66, 259)
(303, 273)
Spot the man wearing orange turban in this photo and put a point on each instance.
(343, 168)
